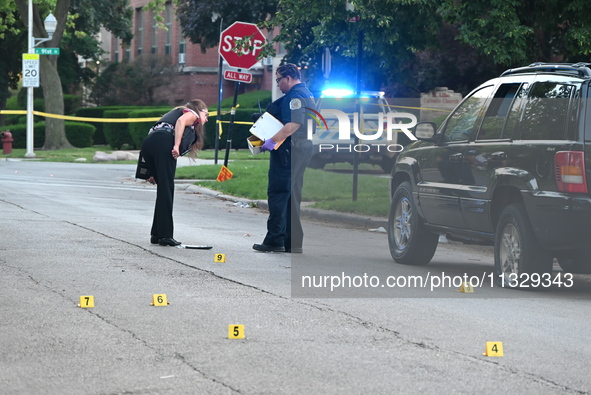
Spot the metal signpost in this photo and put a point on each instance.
(31, 67)
(243, 58)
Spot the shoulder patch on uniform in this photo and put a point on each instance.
(295, 104)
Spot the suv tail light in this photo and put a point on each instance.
(570, 171)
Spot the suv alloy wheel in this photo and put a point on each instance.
(519, 259)
(410, 243)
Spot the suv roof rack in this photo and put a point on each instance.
(581, 69)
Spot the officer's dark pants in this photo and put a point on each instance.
(156, 150)
(286, 179)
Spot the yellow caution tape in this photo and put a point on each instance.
(86, 119)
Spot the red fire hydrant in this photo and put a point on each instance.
(6, 142)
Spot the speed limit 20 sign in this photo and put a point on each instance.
(30, 70)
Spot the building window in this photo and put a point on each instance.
(140, 30)
(154, 34)
(168, 31)
(182, 47)
(115, 45)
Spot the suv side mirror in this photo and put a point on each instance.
(425, 131)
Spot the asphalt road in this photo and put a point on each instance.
(72, 230)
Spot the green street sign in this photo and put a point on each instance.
(47, 51)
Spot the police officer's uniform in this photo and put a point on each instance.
(286, 170)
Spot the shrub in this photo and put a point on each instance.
(240, 132)
(97, 112)
(117, 133)
(139, 130)
(79, 134)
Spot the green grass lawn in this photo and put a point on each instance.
(326, 189)
(329, 190)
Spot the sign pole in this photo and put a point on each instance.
(355, 154)
(218, 119)
(232, 114)
(30, 153)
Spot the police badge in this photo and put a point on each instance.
(295, 104)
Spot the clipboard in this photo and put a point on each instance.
(266, 126)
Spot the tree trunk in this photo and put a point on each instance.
(55, 132)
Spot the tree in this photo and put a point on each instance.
(10, 56)
(391, 31)
(91, 14)
(516, 32)
(200, 20)
(401, 35)
(55, 135)
(134, 83)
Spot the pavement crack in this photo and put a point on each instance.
(181, 358)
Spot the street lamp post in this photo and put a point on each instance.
(50, 24)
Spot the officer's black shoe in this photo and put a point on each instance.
(154, 239)
(268, 248)
(168, 241)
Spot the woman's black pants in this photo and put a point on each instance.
(157, 152)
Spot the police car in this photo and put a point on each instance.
(332, 146)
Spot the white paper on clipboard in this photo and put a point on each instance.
(266, 126)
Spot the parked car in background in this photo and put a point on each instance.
(328, 148)
(508, 167)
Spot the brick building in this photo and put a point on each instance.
(198, 73)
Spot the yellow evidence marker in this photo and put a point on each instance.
(467, 288)
(159, 300)
(86, 301)
(219, 258)
(494, 349)
(235, 331)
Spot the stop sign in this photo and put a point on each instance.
(245, 58)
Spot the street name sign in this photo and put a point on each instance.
(47, 51)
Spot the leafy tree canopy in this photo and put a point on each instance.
(516, 32)
(201, 21)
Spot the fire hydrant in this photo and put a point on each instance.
(6, 142)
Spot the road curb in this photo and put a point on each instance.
(359, 221)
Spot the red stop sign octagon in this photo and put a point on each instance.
(246, 58)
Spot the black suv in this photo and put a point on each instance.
(508, 167)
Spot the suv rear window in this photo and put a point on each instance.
(544, 114)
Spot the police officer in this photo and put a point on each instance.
(290, 154)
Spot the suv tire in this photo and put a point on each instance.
(410, 243)
(517, 253)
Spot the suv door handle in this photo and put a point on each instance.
(498, 155)
(456, 157)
